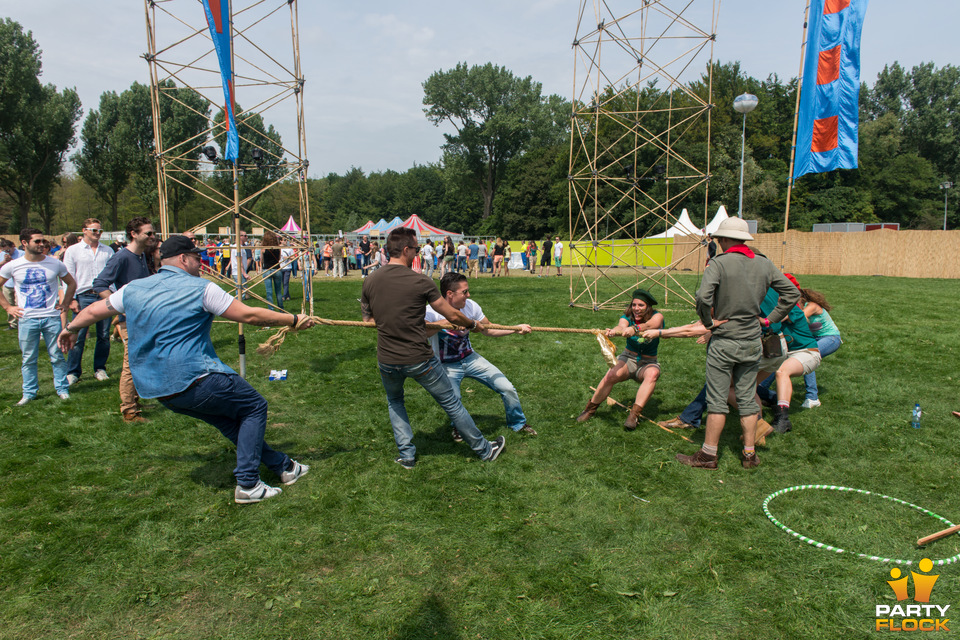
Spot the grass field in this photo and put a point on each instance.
(586, 531)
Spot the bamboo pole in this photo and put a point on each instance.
(793, 144)
(620, 404)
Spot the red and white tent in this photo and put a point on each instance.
(423, 229)
(365, 228)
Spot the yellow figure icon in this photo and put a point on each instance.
(899, 586)
(922, 585)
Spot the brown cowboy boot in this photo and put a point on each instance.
(588, 412)
(631, 422)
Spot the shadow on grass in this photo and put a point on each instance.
(430, 620)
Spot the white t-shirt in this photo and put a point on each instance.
(37, 285)
(451, 345)
(462, 251)
(426, 251)
(558, 249)
(215, 299)
(285, 254)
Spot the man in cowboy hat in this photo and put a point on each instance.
(734, 284)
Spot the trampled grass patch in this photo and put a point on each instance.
(586, 531)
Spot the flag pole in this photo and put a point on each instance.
(793, 144)
(237, 264)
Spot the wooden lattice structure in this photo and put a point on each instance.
(633, 167)
(267, 77)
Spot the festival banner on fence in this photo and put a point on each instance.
(828, 120)
(218, 19)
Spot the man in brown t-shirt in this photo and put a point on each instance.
(396, 296)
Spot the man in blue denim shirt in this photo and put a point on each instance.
(395, 296)
(170, 315)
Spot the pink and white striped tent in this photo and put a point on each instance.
(291, 226)
(365, 228)
(423, 229)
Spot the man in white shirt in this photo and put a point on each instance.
(36, 278)
(460, 361)
(84, 261)
(557, 254)
(427, 251)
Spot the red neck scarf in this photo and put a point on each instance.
(741, 248)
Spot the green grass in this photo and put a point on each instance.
(587, 531)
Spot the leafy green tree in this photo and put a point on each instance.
(495, 116)
(104, 162)
(184, 116)
(36, 121)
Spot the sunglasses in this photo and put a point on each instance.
(148, 233)
(93, 230)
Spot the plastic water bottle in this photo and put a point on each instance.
(915, 418)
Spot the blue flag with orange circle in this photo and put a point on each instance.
(829, 113)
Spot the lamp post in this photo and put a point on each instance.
(744, 103)
(943, 187)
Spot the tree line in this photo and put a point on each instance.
(504, 170)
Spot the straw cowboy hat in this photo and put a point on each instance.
(733, 228)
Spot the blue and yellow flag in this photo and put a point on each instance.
(829, 112)
(218, 19)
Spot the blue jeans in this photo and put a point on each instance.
(483, 264)
(29, 333)
(827, 345)
(432, 377)
(479, 368)
(102, 350)
(229, 403)
(285, 279)
(273, 281)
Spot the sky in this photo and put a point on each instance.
(365, 62)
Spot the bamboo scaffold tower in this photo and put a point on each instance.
(267, 77)
(633, 163)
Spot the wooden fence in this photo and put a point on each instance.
(904, 254)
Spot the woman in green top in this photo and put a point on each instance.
(638, 361)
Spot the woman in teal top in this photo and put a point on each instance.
(817, 310)
(638, 361)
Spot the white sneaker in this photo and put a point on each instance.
(101, 375)
(64, 395)
(810, 404)
(24, 400)
(298, 471)
(257, 493)
(72, 379)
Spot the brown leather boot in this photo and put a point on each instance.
(631, 422)
(588, 412)
(763, 430)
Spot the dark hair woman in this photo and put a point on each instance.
(638, 361)
(272, 276)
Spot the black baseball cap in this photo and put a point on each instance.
(175, 245)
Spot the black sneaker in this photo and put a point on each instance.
(496, 448)
(781, 422)
(456, 436)
(405, 463)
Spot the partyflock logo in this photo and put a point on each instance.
(921, 616)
